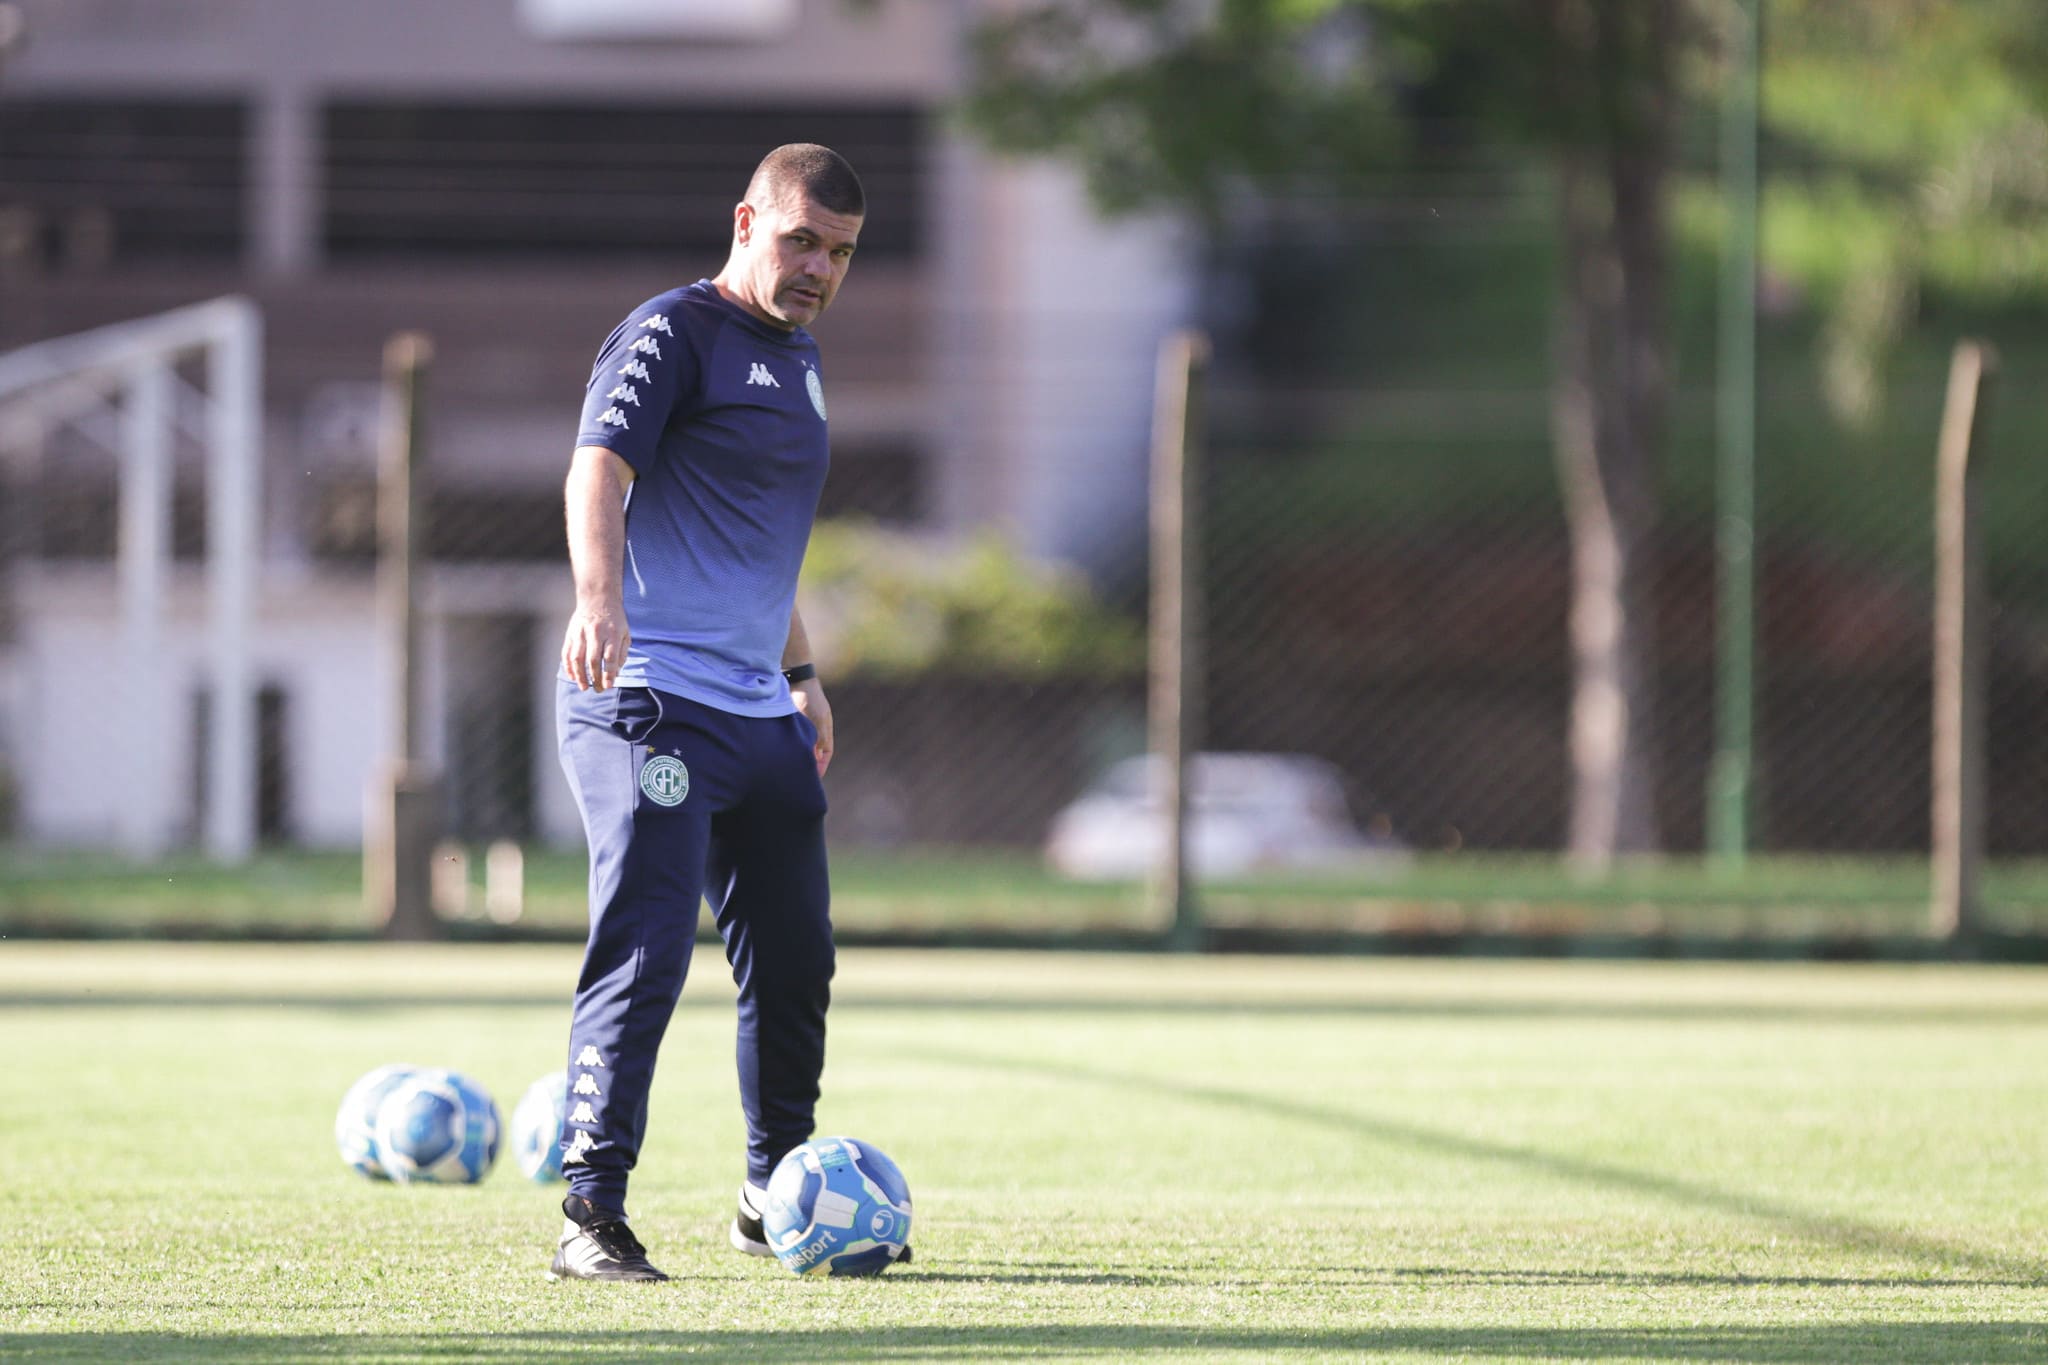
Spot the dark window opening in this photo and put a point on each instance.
(89, 183)
(490, 777)
(561, 180)
(879, 482)
(77, 516)
(274, 823)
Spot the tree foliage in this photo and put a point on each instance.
(1907, 155)
(885, 604)
(1162, 101)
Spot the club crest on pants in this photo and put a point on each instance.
(665, 780)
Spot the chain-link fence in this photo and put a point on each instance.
(1399, 572)
(1386, 566)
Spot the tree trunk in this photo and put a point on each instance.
(1608, 413)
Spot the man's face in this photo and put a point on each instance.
(795, 254)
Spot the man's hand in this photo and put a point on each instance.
(594, 501)
(809, 696)
(594, 649)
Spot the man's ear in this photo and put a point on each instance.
(742, 222)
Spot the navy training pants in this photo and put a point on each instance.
(682, 801)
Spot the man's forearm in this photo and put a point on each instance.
(597, 536)
(797, 649)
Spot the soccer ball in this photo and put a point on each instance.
(355, 1123)
(537, 1127)
(437, 1127)
(837, 1207)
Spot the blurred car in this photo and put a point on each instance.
(1247, 812)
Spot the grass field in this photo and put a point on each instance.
(965, 892)
(1113, 1156)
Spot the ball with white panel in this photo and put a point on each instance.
(537, 1127)
(437, 1127)
(355, 1123)
(837, 1206)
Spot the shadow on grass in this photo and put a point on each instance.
(1992, 1343)
(1678, 1279)
(1696, 1194)
(1876, 1014)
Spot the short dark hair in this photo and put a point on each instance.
(821, 173)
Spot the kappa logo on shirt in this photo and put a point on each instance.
(647, 346)
(613, 417)
(634, 369)
(626, 393)
(759, 375)
(659, 322)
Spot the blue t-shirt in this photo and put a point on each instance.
(723, 419)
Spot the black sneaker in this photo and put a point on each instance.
(746, 1233)
(597, 1245)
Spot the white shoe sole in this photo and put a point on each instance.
(741, 1242)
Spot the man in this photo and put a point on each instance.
(693, 727)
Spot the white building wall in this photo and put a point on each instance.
(315, 638)
(1052, 320)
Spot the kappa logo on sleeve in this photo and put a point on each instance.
(647, 346)
(659, 322)
(626, 393)
(634, 369)
(613, 417)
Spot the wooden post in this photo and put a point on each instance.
(1175, 703)
(1958, 798)
(404, 815)
(504, 882)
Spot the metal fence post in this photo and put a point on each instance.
(404, 812)
(1731, 784)
(1959, 643)
(1175, 706)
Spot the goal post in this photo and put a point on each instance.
(133, 367)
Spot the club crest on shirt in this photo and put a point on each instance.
(817, 392)
(665, 780)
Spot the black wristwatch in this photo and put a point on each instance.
(800, 673)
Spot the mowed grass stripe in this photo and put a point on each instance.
(1112, 1156)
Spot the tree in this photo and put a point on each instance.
(1179, 101)
(1939, 187)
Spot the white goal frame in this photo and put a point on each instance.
(132, 367)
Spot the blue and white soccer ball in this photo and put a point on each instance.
(355, 1123)
(437, 1127)
(537, 1127)
(837, 1207)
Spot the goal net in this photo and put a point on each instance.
(90, 702)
